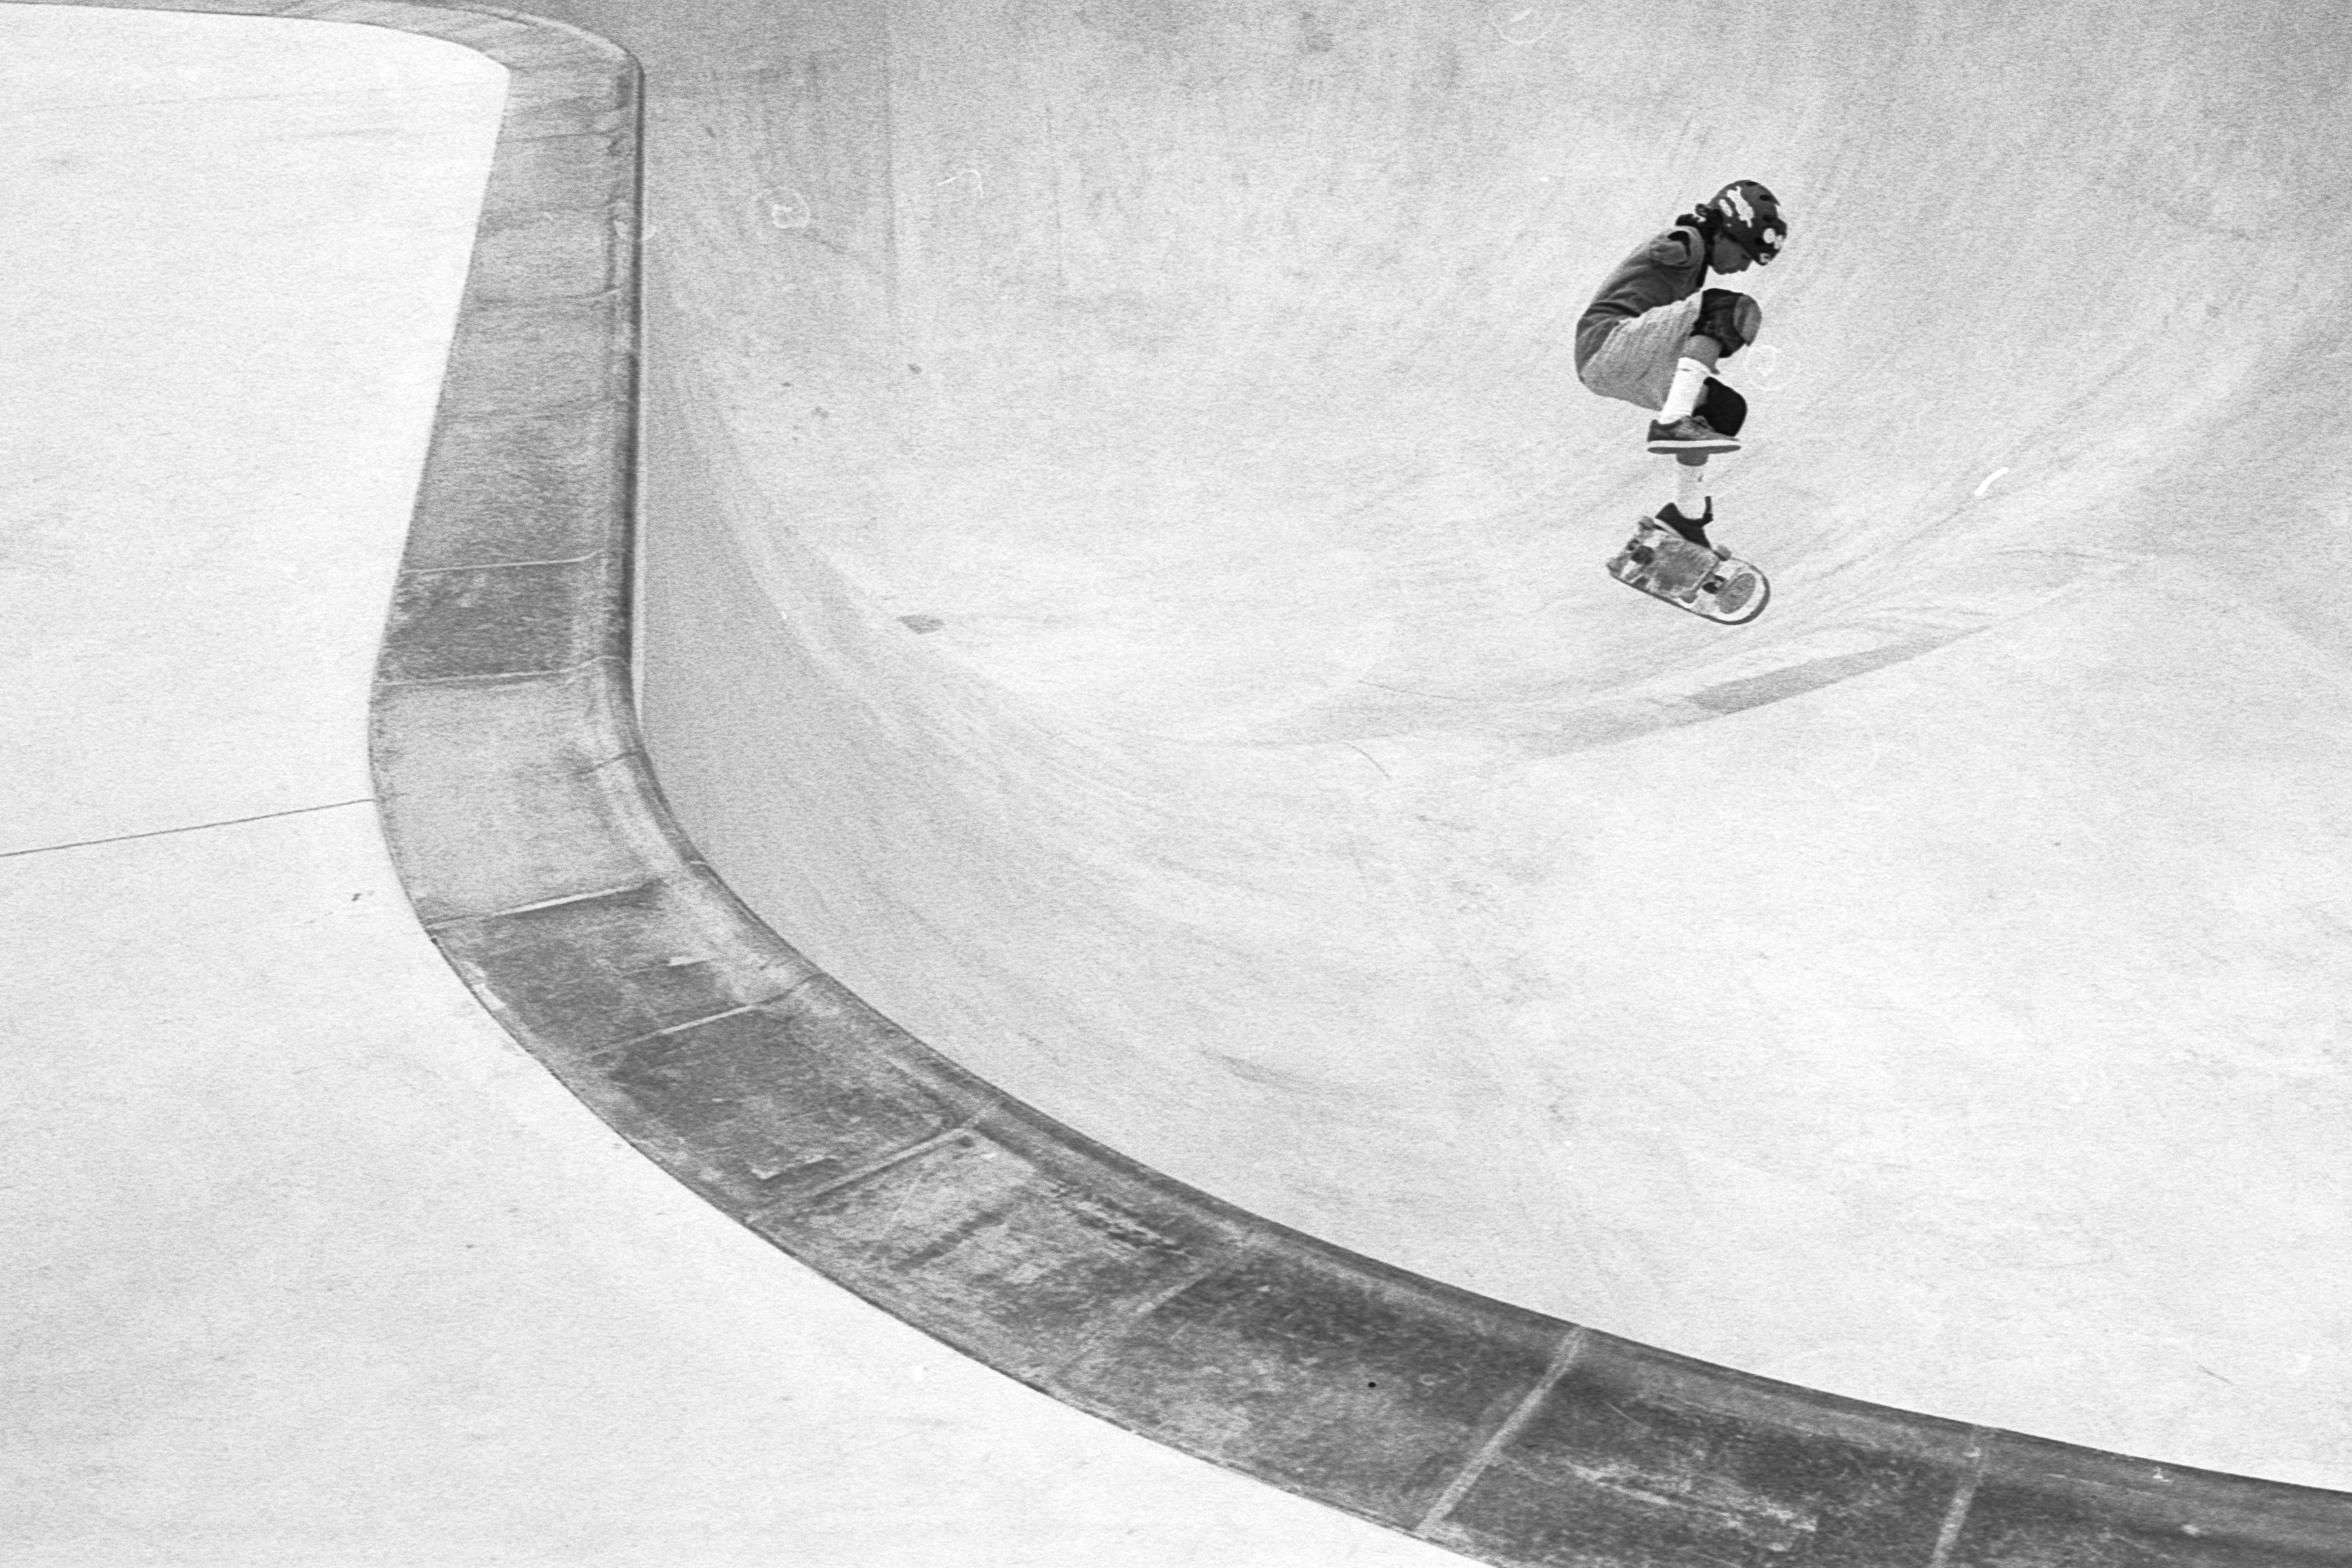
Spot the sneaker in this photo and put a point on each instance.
(1688, 434)
(1693, 529)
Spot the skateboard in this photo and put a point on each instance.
(1711, 584)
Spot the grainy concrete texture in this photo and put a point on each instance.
(310, 1263)
(787, 1101)
(915, 483)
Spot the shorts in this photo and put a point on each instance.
(1634, 361)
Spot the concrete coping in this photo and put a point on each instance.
(532, 839)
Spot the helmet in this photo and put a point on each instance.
(1750, 214)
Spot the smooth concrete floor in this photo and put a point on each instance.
(307, 1263)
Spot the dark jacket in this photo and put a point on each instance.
(1665, 268)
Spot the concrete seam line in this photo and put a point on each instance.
(504, 566)
(869, 1171)
(1216, 1262)
(185, 827)
(1964, 1496)
(616, 890)
(1571, 1349)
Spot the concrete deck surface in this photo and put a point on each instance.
(308, 1264)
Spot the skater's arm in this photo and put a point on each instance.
(1665, 268)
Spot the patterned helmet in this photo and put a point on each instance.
(1750, 214)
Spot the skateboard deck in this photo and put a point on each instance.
(1709, 584)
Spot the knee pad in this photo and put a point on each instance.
(1730, 318)
(1724, 410)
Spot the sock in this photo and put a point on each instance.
(1690, 380)
(1690, 491)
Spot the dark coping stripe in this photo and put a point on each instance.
(533, 838)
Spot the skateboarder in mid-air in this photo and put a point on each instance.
(1655, 333)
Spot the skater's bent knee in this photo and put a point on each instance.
(1724, 409)
(1730, 318)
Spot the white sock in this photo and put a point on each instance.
(1690, 492)
(1690, 380)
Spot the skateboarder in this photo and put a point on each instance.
(1655, 333)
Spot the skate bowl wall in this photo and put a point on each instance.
(540, 852)
(1125, 600)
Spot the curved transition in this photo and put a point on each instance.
(537, 851)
